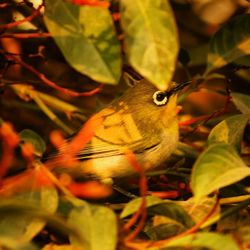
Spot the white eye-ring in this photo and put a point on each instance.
(160, 98)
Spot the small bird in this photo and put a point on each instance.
(144, 121)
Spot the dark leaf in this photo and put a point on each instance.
(230, 43)
(163, 227)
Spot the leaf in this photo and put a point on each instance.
(163, 227)
(160, 207)
(48, 202)
(218, 166)
(19, 209)
(36, 140)
(87, 39)
(242, 102)
(230, 43)
(15, 244)
(229, 130)
(206, 240)
(134, 205)
(199, 211)
(96, 224)
(26, 226)
(151, 41)
(173, 211)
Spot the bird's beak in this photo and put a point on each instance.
(179, 87)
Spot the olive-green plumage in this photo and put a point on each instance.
(143, 120)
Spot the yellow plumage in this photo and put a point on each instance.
(143, 120)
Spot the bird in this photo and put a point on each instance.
(142, 120)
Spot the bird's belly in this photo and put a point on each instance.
(119, 165)
(160, 153)
(108, 167)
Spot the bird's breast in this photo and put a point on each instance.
(161, 152)
(118, 165)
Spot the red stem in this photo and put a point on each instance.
(141, 212)
(9, 141)
(43, 78)
(26, 19)
(25, 35)
(6, 160)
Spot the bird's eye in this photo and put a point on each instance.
(160, 98)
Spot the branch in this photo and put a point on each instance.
(26, 19)
(142, 211)
(48, 82)
(25, 35)
(102, 4)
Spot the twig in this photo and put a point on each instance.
(55, 181)
(4, 5)
(165, 194)
(116, 16)
(51, 115)
(142, 211)
(97, 3)
(235, 199)
(227, 213)
(43, 78)
(26, 19)
(23, 90)
(25, 35)
(206, 118)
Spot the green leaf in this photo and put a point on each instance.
(19, 208)
(48, 201)
(135, 204)
(242, 102)
(87, 39)
(211, 241)
(218, 166)
(96, 225)
(230, 43)
(163, 227)
(199, 211)
(229, 130)
(156, 206)
(172, 210)
(36, 140)
(26, 226)
(151, 41)
(15, 244)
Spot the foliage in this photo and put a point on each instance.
(57, 62)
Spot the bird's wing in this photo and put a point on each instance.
(117, 133)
